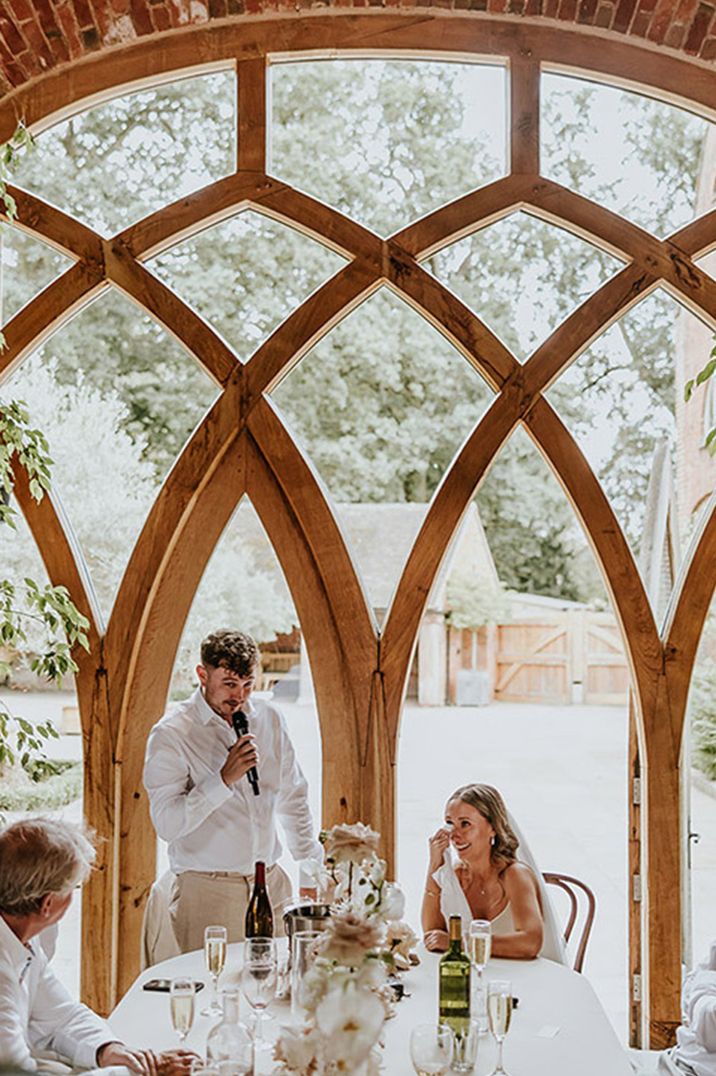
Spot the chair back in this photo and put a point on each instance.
(572, 886)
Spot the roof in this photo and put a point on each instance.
(380, 537)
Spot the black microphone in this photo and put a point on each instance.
(241, 728)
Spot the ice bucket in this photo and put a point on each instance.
(305, 917)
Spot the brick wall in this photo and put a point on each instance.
(36, 35)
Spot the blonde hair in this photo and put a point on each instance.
(40, 856)
(488, 801)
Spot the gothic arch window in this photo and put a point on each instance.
(240, 444)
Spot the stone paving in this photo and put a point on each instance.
(562, 772)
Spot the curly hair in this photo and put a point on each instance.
(488, 801)
(234, 650)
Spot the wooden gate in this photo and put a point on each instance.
(574, 657)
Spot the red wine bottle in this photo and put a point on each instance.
(259, 914)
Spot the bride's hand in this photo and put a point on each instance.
(436, 941)
(439, 843)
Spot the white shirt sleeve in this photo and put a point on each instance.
(56, 1022)
(703, 1022)
(14, 1049)
(176, 807)
(293, 810)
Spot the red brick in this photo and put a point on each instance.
(685, 11)
(12, 36)
(66, 18)
(533, 7)
(11, 69)
(160, 18)
(36, 40)
(699, 28)
(661, 21)
(623, 15)
(102, 17)
(605, 14)
(708, 49)
(140, 17)
(29, 63)
(587, 11)
(567, 10)
(21, 10)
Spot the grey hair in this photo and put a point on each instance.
(40, 856)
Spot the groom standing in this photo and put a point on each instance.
(203, 805)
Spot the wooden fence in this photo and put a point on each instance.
(572, 657)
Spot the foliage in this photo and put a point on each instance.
(9, 155)
(62, 625)
(473, 602)
(50, 789)
(703, 716)
(46, 608)
(693, 383)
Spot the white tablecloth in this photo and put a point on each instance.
(550, 997)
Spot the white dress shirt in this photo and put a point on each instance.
(212, 827)
(37, 1015)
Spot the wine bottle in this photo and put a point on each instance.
(455, 982)
(259, 914)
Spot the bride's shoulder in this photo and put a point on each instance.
(518, 874)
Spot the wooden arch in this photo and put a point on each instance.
(242, 447)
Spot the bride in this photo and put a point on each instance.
(487, 882)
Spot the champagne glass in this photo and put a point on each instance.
(431, 1049)
(258, 980)
(480, 947)
(181, 1001)
(499, 1010)
(215, 958)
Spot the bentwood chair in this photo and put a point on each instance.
(571, 887)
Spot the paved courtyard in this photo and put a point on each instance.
(562, 771)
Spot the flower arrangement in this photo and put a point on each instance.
(345, 991)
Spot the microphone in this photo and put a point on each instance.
(241, 728)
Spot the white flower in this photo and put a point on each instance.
(349, 937)
(400, 943)
(351, 844)
(392, 901)
(351, 1020)
(299, 1049)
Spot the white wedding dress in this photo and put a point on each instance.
(454, 902)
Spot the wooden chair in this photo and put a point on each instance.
(571, 886)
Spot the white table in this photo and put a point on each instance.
(549, 996)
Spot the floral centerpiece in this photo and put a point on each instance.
(345, 991)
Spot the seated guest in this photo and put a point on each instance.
(41, 863)
(695, 1050)
(487, 881)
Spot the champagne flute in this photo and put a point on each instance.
(499, 1009)
(431, 1049)
(181, 1001)
(215, 958)
(480, 947)
(258, 980)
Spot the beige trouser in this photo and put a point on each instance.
(205, 898)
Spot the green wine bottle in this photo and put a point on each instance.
(259, 914)
(455, 982)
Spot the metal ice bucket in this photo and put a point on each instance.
(305, 917)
